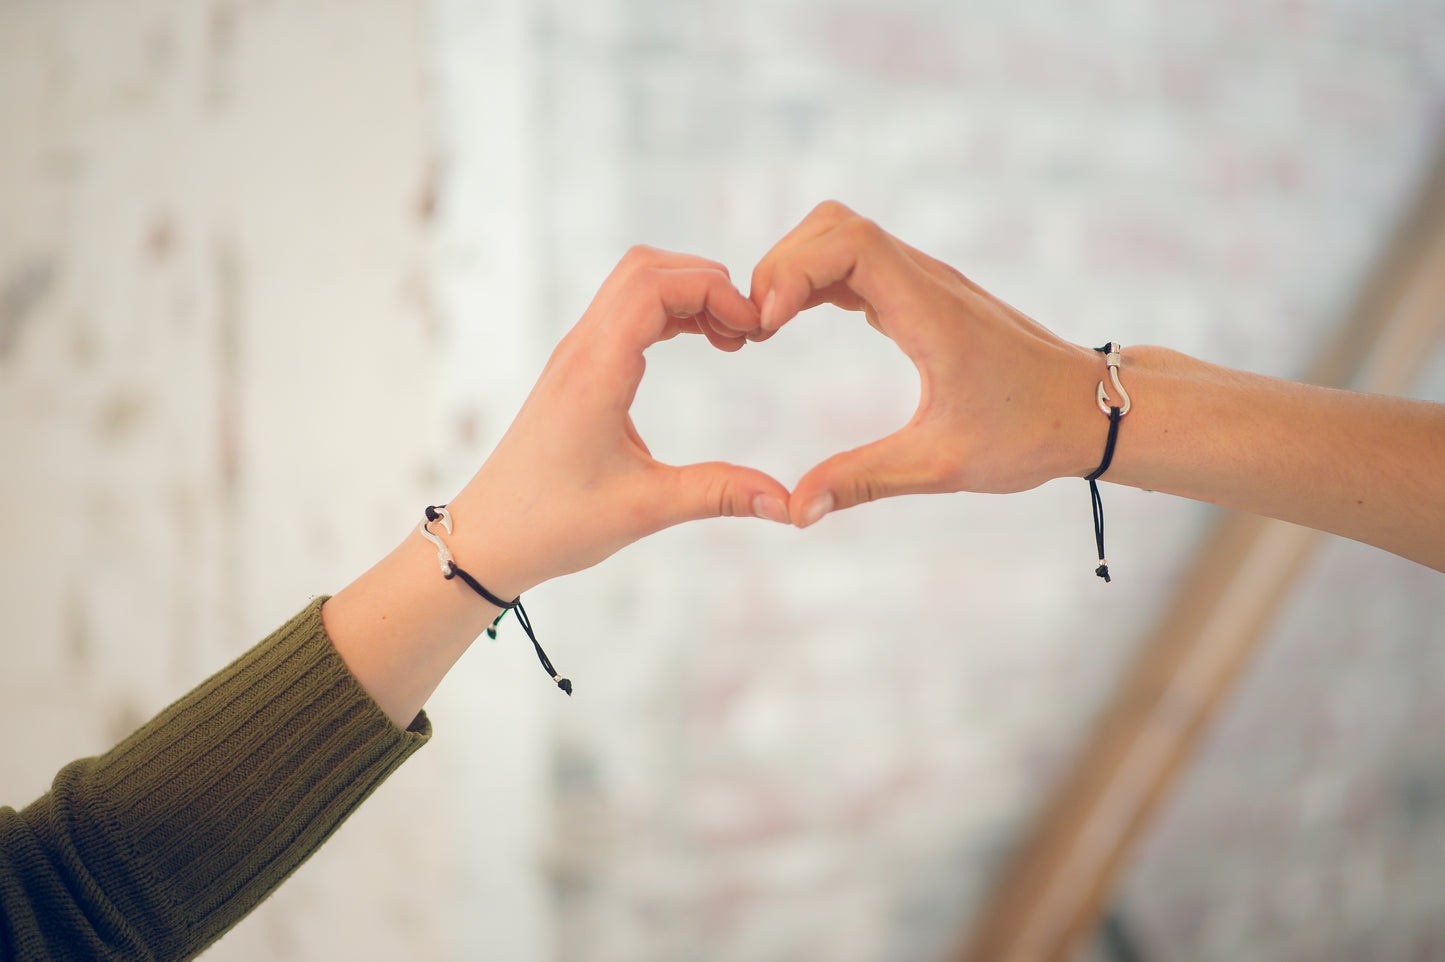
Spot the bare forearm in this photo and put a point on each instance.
(1363, 466)
(570, 483)
(1006, 405)
(401, 626)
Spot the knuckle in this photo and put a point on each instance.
(833, 210)
(864, 232)
(722, 497)
(641, 281)
(862, 485)
(866, 488)
(763, 272)
(638, 256)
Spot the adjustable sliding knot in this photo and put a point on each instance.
(450, 569)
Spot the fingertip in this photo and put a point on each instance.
(721, 341)
(768, 314)
(770, 507)
(815, 508)
(732, 313)
(761, 280)
(736, 326)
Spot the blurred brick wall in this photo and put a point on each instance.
(215, 387)
(273, 275)
(820, 745)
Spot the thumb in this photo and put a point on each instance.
(897, 464)
(717, 489)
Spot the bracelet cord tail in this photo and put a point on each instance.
(1116, 412)
(450, 569)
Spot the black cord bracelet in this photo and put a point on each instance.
(450, 569)
(1112, 357)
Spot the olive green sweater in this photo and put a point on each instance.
(157, 847)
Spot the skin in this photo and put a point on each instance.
(570, 483)
(1006, 405)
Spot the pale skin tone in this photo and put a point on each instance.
(1004, 406)
(570, 483)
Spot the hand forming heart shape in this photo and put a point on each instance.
(572, 481)
(980, 425)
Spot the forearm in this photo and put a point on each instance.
(157, 847)
(161, 844)
(570, 483)
(401, 626)
(1366, 467)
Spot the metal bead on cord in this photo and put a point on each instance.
(1113, 357)
(450, 570)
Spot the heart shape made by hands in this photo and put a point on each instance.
(826, 384)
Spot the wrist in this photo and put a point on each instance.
(1080, 428)
(1152, 377)
(1171, 441)
(483, 543)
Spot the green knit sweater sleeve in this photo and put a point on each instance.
(157, 847)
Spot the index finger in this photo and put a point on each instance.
(819, 221)
(654, 298)
(834, 256)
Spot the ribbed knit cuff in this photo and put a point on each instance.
(212, 804)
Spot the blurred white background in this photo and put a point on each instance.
(274, 276)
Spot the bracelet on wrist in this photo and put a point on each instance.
(1115, 408)
(450, 569)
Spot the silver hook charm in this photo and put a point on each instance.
(444, 556)
(1113, 357)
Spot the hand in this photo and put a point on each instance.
(1004, 403)
(572, 481)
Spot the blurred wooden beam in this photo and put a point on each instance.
(1050, 896)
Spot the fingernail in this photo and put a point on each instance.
(818, 507)
(765, 317)
(771, 508)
